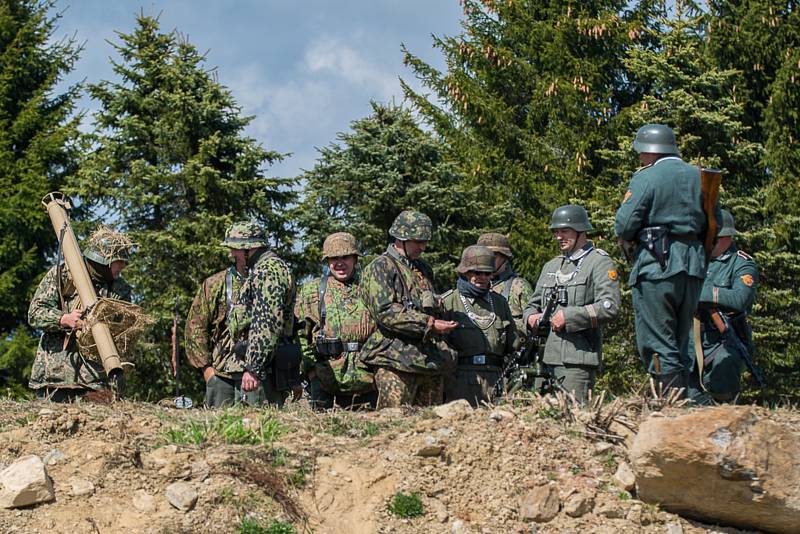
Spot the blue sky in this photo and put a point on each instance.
(305, 68)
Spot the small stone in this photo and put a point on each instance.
(610, 511)
(430, 447)
(634, 515)
(578, 504)
(458, 527)
(499, 415)
(455, 409)
(53, 457)
(81, 487)
(540, 504)
(624, 477)
(25, 482)
(602, 447)
(674, 528)
(200, 470)
(144, 502)
(46, 411)
(181, 495)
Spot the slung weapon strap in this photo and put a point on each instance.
(323, 286)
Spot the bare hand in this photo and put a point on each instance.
(72, 320)
(249, 382)
(558, 322)
(444, 327)
(533, 319)
(208, 372)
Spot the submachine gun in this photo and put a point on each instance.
(527, 365)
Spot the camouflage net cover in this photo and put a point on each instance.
(109, 243)
(125, 320)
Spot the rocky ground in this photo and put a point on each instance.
(527, 466)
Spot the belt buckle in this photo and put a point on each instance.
(479, 359)
(352, 346)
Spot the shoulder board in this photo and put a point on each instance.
(600, 251)
(744, 255)
(447, 293)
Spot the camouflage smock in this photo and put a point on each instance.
(264, 313)
(347, 318)
(208, 340)
(403, 340)
(55, 365)
(518, 292)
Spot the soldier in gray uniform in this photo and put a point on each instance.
(585, 280)
(729, 290)
(485, 336)
(506, 282)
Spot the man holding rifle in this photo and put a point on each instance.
(725, 302)
(584, 281)
(663, 222)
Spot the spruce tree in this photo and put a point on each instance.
(171, 165)
(384, 165)
(38, 131)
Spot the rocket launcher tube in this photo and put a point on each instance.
(57, 205)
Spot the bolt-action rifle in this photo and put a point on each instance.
(723, 325)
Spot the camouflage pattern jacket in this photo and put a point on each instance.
(346, 318)
(264, 313)
(518, 292)
(208, 340)
(399, 295)
(58, 362)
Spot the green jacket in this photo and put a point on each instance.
(346, 318)
(208, 339)
(518, 292)
(468, 339)
(399, 296)
(666, 193)
(56, 365)
(593, 299)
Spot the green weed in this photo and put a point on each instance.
(406, 505)
(228, 428)
(250, 525)
(347, 424)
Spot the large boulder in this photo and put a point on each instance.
(726, 465)
(25, 482)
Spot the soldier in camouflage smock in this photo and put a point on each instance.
(60, 373)
(398, 291)
(729, 289)
(486, 335)
(262, 324)
(584, 278)
(208, 341)
(506, 282)
(334, 331)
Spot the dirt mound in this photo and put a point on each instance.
(336, 472)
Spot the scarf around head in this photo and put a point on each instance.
(470, 290)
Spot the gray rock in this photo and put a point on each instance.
(458, 527)
(674, 528)
(181, 495)
(430, 447)
(143, 501)
(25, 482)
(500, 415)
(53, 457)
(610, 511)
(81, 487)
(540, 504)
(455, 409)
(602, 447)
(578, 504)
(200, 470)
(624, 477)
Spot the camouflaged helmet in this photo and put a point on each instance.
(338, 245)
(106, 246)
(571, 216)
(412, 225)
(496, 243)
(655, 139)
(476, 258)
(727, 229)
(245, 235)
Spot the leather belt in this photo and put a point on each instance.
(480, 359)
(684, 237)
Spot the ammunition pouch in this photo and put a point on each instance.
(656, 240)
(328, 347)
(286, 365)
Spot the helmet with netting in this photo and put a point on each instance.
(106, 246)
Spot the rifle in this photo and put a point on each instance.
(521, 371)
(723, 325)
(179, 401)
